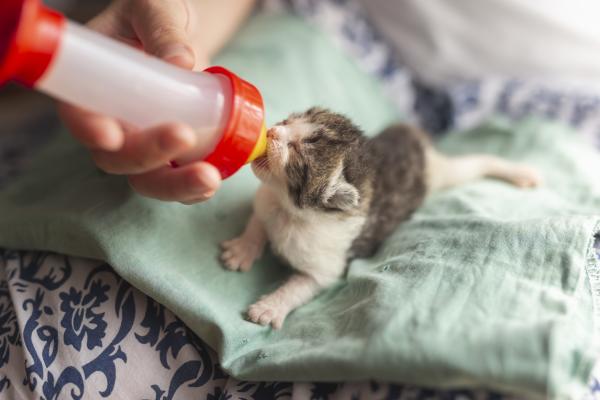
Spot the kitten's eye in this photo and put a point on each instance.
(312, 139)
(284, 122)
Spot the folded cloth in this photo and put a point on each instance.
(487, 285)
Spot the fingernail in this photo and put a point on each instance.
(180, 139)
(207, 195)
(199, 199)
(107, 143)
(187, 136)
(178, 53)
(211, 177)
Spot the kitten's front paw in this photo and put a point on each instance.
(265, 312)
(240, 253)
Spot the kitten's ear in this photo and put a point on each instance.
(343, 197)
(315, 110)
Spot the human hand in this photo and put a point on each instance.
(169, 30)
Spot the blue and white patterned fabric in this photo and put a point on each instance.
(73, 329)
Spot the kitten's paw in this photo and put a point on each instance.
(524, 176)
(265, 312)
(240, 253)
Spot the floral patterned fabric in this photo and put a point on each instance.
(73, 329)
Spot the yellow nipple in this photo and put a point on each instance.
(260, 148)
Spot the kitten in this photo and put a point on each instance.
(330, 194)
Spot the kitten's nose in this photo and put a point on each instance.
(273, 133)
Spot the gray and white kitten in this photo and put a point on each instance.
(330, 194)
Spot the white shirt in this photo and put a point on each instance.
(447, 39)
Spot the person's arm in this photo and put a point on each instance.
(187, 33)
(219, 20)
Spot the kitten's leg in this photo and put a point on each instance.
(444, 172)
(240, 253)
(274, 307)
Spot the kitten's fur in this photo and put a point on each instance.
(330, 194)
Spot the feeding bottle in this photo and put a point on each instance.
(40, 48)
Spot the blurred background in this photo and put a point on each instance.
(26, 116)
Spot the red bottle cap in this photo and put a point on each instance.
(243, 130)
(30, 33)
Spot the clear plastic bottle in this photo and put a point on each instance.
(40, 48)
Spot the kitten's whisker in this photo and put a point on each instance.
(262, 162)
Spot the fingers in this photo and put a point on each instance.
(136, 153)
(93, 130)
(161, 27)
(146, 150)
(188, 184)
(115, 22)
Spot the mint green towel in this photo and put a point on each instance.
(487, 285)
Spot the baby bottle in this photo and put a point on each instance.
(41, 49)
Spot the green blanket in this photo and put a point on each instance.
(487, 285)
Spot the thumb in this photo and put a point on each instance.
(161, 27)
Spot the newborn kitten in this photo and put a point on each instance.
(329, 194)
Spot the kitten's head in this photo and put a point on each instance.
(313, 158)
